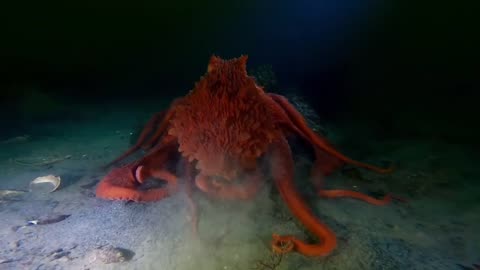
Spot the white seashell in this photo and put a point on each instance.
(52, 180)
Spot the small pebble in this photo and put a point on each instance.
(110, 254)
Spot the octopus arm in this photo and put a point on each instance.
(124, 183)
(321, 144)
(120, 184)
(282, 169)
(153, 130)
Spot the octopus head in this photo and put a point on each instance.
(217, 64)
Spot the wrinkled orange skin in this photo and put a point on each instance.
(220, 132)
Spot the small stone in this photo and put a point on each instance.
(110, 254)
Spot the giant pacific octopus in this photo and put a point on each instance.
(225, 138)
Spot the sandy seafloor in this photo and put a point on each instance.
(437, 229)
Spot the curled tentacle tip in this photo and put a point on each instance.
(279, 250)
(282, 245)
(282, 249)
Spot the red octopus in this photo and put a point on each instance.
(221, 133)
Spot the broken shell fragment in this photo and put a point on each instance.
(10, 193)
(47, 220)
(51, 181)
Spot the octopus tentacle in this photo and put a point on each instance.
(163, 127)
(282, 169)
(159, 155)
(324, 165)
(340, 193)
(147, 130)
(142, 173)
(120, 184)
(124, 183)
(300, 126)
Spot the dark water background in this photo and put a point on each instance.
(407, 69)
